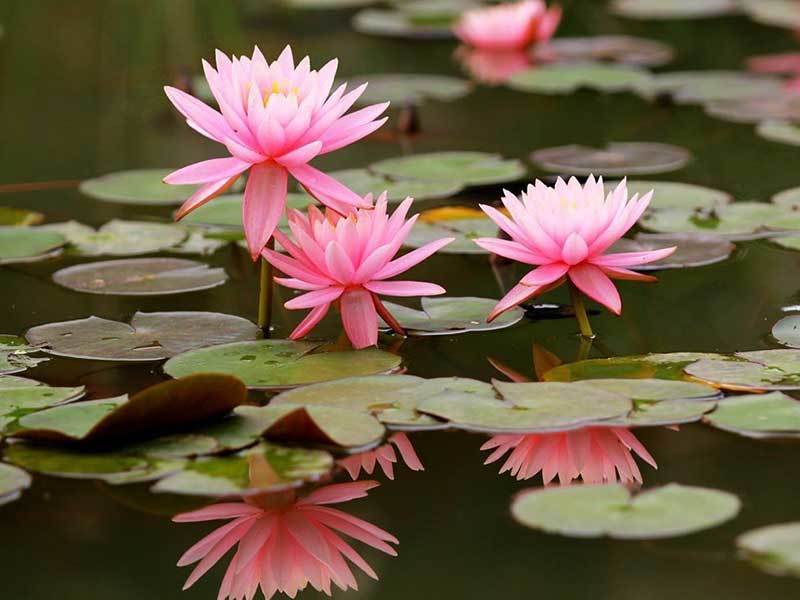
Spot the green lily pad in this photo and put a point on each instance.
(774, 549)
(14, 355)
(13, 482)
(789, 198)
(751, 371)
(779, 13)
(140, 277)
(451, 316)
(28, 244)
(566, 78)
(590, 511)
(204, 242)
(462, 223)
(161, 409)
(281, 364)
(19, 217)
(779, 131)
(673, 9)
(758, 415)
(700, 87)
(621, 49)
(226, 211)
(141, 186)
(403, 89)
(467, 168)
(19, 395)
(645, 366)
(529, 408)
(263, 468)
(119, 238)
(787, 331)
(776, 107)
(400, 24)
(676, 195)
(150, 336)
(363, 182)
(694, 249)
(616, 159)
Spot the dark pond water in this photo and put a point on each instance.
(81, 95)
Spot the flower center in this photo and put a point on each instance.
(281, 88)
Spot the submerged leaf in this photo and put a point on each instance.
(19, 217)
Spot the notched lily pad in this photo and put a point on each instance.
(363, 182)
(676, 195)
(263, 468)
(281, 364)
(13, 482)
(644, 366)
(28, 244)
(776, 107)
(451, 316)
(699, 87)
(567, 78)
(775, 549)
(459, 222)
(403, 24)
(140, 277)
(162, 409)
(465, 167)
(15, 355)
(19, 396)
(403, 89)
(751, 371)
(150, 336)
(141, 186)
(622, 49)
(19, 217)
(694, 250)
(759, 416)
(591, 511)
(119, 238)
(616, 159)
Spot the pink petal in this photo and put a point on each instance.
(201, 548)
(211, 121)
(312, 318)
(339, 264)
(225, 510)
(517, 295)
(205, 193)
(359, 317)
(512, 250)
(594, 283)
(315, 298)
(292, 267)
(338, 493)
(404, 288)
(630, 259)
(627, 274)
(324, 187)
(207, 171)
(407, 451)
(301, 155)
(264, 201)
(575, 249)
(413, 258)
(216, 553)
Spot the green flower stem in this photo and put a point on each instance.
(580, 312)
(265, 293)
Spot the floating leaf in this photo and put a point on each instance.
(690, 87)
(119, 238)
(142, 186)
(462, 223)
(363, 182)
(779, 131)
(161, 409)
(277, 364)
(451, 316)
(264, 468)
(607, 48)
(787, 331)
(19, 395)
(140, 277)
(674, 194)
(617, 158)
(468, 168)
(673, 9)
(645, 366)
(28, 244)
(14, 353)
(758, 415)
(226, 211)
(694, 249)
(13, 482)
(774, 549)
(410, 88)
(396, 23)
(776, 107)
(19, 217)
(566, 78)
(589, 511)
(780, 13)
(328, 4)
(751, 371)
(150, 336)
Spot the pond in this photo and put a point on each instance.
(83, 97)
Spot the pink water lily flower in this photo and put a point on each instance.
(565, 232)
(595, 454)
(384, 456)
(511, 26)
(349, 260)
(273, 118)
(285, 543)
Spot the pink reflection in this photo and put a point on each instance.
(493, 67)
(595, 454)
(787, 63)
(384, 456)
(284, 543)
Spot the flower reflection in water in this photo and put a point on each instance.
(595, 454)
(492, 67)
(385, 456)
(285, 542)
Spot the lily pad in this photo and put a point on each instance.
(751, 371)
(776, 107)
(622, 49)
(402, 24)
(362, 182)
(327, 4)
(591, 511)
(403, 89)
(566, 78)
(677, 195)
(393, 399)
(28, 244)
(14, 355)
(281, 364)
(787, 331)
(694, 249)
(451, 316)
(459, 222)
(226, 211)
(779, 131)
(530, 408)
(779, 13)
(19, 217)
(699, 87)
(161, 409)
(644, 366)
(149, 337)
(141, 186)
(616, 159)
(13, 482)
(774, 549)
(19, 395)
(119, 238)
(140, 277)
(264, 468)
(758, 415)
(673, 9)
(467, 168)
